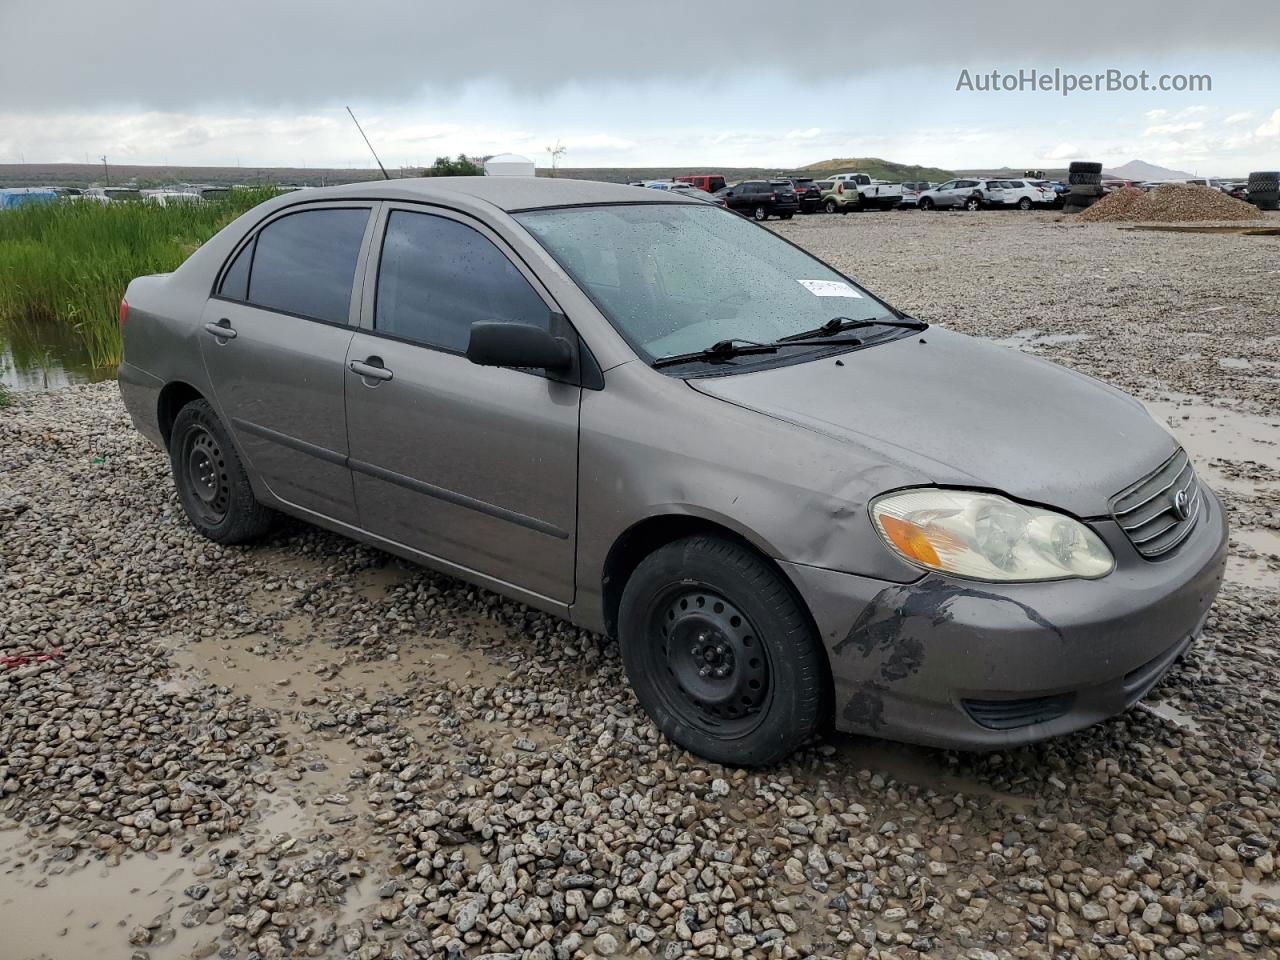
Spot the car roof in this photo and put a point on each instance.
(510, 194)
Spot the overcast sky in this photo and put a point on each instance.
(640, 83)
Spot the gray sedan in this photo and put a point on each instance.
(793, 505)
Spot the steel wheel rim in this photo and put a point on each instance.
(206, 475)
(713, 669)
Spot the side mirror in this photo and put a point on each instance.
(496, 344)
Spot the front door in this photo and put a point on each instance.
(274, 341)
(474, 466)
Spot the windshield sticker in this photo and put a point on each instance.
(829, 288)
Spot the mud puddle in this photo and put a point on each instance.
(921, 767)
(91, 909)
(1255, 558)
(1171, 713)
(1223, 443)
(1034, 337)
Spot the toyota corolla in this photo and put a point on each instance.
(793, 505)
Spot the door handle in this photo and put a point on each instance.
(371, 369)
(222, 329)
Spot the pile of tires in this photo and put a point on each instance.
(1264, 189)
(1085, 179)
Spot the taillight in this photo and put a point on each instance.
(840, 187)
(124, 311)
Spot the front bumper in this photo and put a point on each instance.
(958, 663)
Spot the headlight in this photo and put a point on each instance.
(988, 537)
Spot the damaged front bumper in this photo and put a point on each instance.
(958, 663)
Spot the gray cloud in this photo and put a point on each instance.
(82, 54)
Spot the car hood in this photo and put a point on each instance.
(967, 412)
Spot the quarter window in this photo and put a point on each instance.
(438, 276)
(235, 282)
(305, 263)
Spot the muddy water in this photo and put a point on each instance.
(90, 905)
(1236, 454)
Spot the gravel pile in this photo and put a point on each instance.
(1168, 203)
(307, 749)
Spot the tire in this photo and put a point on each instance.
(1091, 179)
(1084, 166)
(211, 480)
(973, 204)
(703, 605)
(760, 214)
(785, 216)
(830, 206)
(926, 203)
(1086, 190)
(1264, 181)
(1024, 203)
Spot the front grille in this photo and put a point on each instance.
(1011, 714)
(1159, 511)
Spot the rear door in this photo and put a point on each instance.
(474, 466)
(274, 341)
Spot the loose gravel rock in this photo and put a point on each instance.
(307, 749)
(1169, 203)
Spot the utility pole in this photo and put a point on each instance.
(106, 172)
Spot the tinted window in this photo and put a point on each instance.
(438, 276)
(1017, 184)
(235, 282)
(305, 263)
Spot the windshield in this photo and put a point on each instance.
(676, 278)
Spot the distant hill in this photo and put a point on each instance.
(1141, 170)
(86, 174)
(879, 169)
(1133, 170)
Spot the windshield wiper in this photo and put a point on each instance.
(719, 351)
(840, 324)
(728, 349)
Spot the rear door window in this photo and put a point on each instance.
(438, 276)
(304, 263)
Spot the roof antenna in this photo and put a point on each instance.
(385, 175)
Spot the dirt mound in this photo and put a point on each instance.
(1168, 203)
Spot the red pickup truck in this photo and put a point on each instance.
(710, 182)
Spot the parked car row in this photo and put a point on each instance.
(785, 196)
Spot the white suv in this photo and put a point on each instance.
(1023, 194)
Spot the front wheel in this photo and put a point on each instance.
(720, 653)
(211, 479)
(926, 203)
(761, 214)
(1024, 203)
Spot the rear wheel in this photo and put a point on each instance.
(720, 653)
(761, 214)
(830, 206)
(973, 203)
(211, 480)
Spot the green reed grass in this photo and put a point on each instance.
(66, 265)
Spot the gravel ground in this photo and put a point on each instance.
(308, 749)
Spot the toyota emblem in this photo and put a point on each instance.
(1182, 505)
